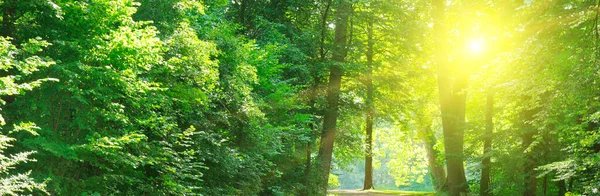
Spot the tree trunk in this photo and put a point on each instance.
(459, 92)
(307, 169)
(487, 146)
(454, 138)
(368, 184)
(530, 180)
(324, 30)
(562, 188)
(243, 8)
(528, 133)
(309, 172)
(452, 102)
(333, 94)
(438, 173)
(545, 185)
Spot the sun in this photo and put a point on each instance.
(476, 46)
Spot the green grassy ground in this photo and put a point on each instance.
(376, 192)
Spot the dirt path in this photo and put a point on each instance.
(366, 193)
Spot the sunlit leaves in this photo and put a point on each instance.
(128, 48)
(23, 61)
(190, 58)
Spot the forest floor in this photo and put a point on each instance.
(374, 193)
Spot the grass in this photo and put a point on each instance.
(400, 192)
(377, 192)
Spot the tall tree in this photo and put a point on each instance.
(484, 187)
(452, 85)
(336, 71)
(370, 111)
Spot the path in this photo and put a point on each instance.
(373, 193)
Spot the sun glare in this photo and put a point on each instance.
(476, 46)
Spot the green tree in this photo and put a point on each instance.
(333, 93)
(24, 61)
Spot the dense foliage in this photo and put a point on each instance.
(266, 97)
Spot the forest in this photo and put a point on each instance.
(299, 97)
